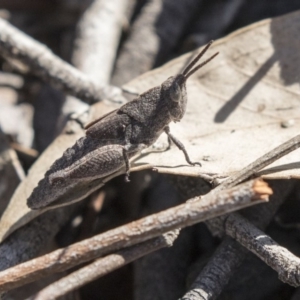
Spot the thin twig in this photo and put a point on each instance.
(181, 216)
(41, 61)
(104, 266)
(260, 163)
(216, 225)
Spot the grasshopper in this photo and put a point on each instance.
(113, 139)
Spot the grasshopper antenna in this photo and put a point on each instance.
(188, 71)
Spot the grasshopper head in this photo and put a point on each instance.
(174, 88)
(174, 92)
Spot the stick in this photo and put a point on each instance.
(261, 162)
(286, 264)
(42, 62)
(98, 36)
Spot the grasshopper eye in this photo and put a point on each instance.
(175, 92)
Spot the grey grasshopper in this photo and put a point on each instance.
(113, 139)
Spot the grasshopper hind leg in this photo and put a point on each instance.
(98, 163)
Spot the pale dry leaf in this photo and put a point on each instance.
(240, 106)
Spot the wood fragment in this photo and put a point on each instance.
(28, 152)
(260, 188)
(130, 234)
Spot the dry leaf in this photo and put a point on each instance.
(241, 105)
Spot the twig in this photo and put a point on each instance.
(95, 46)
(11, 80)
(286, 264)
(261, 162)
(136, 232)
(41, 61)
(104, 266)
(215, 275)
(98, 34)
(216, 225)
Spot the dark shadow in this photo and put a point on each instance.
(171, 24)
(232, 104)
(161, 166)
